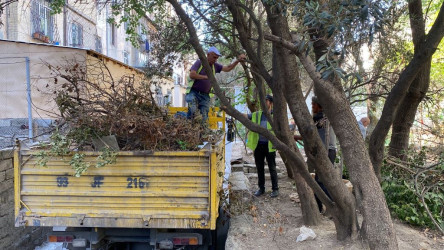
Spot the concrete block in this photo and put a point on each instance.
(2, 175)
(250, 165)
(6, 196)
(7, 185)
(250, 168)
(6, 164)
(9, 173)
(239, 182)
(237, 168)
(7, 209)
(6, 221)
(6, 154)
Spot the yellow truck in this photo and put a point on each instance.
(146, 200)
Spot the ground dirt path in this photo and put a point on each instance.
(274, 223)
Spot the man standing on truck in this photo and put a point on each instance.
(263, 149)
(199, 95)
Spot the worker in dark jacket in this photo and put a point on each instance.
(328, 138)
(263, 149)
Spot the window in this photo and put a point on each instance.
(126, 57)
(126, 16)
(76, 35)
(168, 98)
(42, 22)
(159, 97)
(99, 44)
(177, 79)
(142, 59)
(113, 34)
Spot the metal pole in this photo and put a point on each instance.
(28, 91)
(65, 25)
(106, 30)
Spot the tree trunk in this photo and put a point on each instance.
(371, 112)
(377, 227)
(310, 213)
(398, 92)
(405, 116)
(295, 164)
(286, 74)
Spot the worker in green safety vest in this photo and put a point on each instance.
(198, 93)
(263, 149)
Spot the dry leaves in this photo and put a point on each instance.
(96, 105)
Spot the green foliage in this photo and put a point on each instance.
(80, 166)
(182, 144)
(403, 201)
(414, 188)
(345, 24)
(61, 146)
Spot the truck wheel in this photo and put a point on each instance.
(219, 236)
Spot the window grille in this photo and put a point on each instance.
(76, 35)
(42, 22)
(126, 57)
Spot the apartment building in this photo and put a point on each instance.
(83, 24)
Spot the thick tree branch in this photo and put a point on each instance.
(236, 114)
(398, 92)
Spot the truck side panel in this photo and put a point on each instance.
(155, 190)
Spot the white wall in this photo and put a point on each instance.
(13, 95)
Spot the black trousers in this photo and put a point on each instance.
(260, 154)
(332, 157)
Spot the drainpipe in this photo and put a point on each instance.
(7, 29)
(65, 25)
(28, 92)
(106, 30)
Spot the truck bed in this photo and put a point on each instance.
(141, 190)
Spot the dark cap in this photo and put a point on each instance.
(269, 97)
(314, 99)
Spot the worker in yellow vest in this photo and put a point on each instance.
(198, 96)
(263, 149)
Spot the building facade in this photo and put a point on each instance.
(84, 24)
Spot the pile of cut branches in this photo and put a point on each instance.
(94, 104)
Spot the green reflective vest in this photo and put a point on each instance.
(253, 137)
(191, 81)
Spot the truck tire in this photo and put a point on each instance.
(219, 236)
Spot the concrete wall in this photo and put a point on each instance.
(13, 95)
(23, 238)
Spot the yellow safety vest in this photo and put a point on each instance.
(253, 137)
